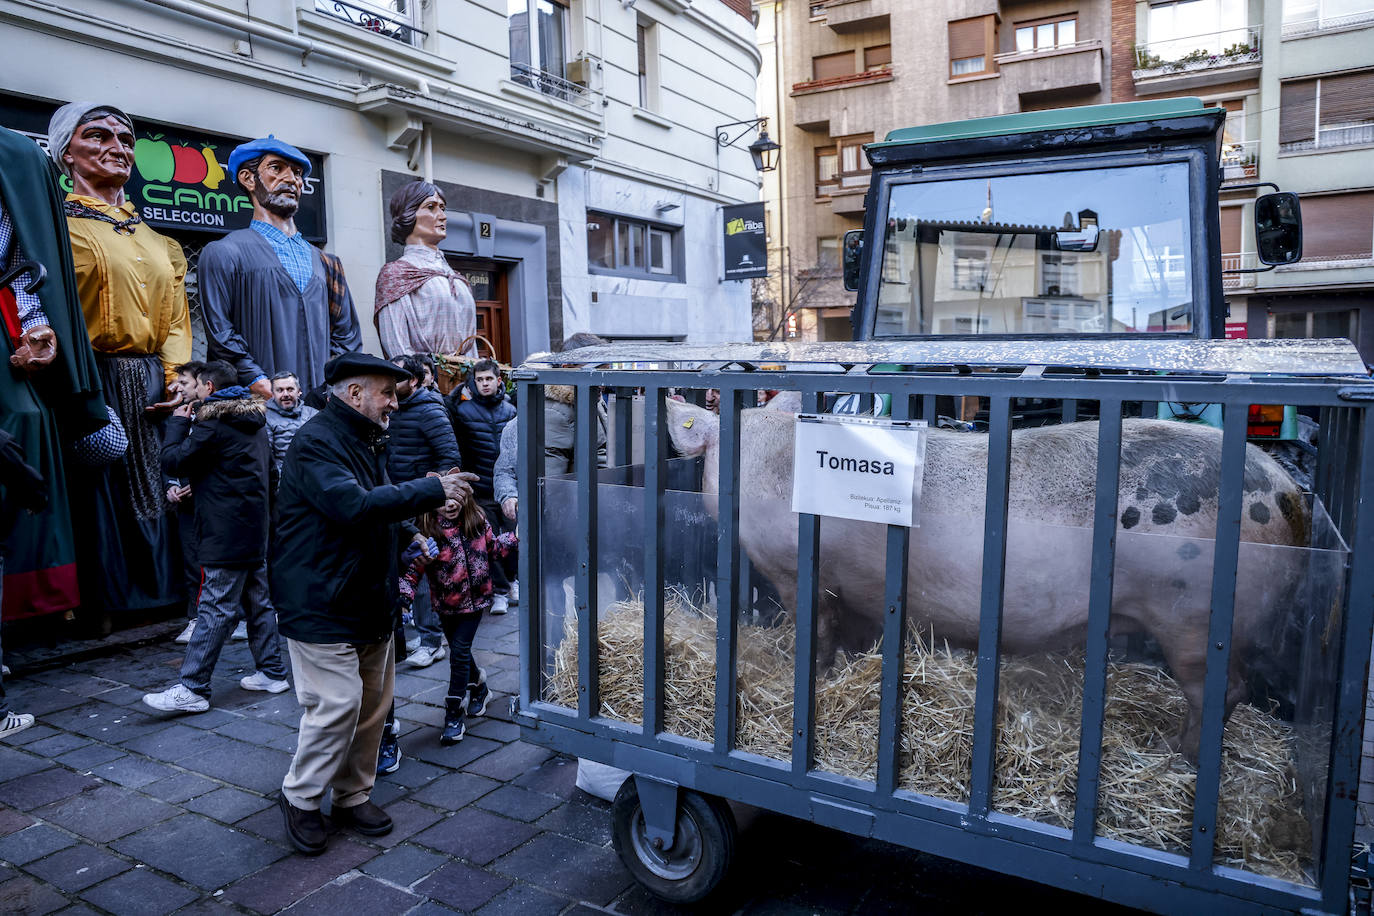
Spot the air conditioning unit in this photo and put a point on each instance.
(580, 71)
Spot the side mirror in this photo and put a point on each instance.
(853, 249)
(1278, 228)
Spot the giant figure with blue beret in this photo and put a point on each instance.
(272, 301)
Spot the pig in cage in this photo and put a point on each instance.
(1131, 650)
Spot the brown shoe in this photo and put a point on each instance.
(305, 828)
(367, 819)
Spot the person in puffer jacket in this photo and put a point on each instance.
(286, 413)
(480, 412)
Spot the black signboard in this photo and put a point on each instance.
(179, 180)
(746, 243)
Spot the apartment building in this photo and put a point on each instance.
(574, 139)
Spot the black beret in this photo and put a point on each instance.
(348, 365)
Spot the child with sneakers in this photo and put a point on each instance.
(461, 591)
(227, 459)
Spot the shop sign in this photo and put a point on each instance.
(1237, 330)
(179, 180)
(869, 470)
(746, 246)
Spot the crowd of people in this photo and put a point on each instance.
(288, 487)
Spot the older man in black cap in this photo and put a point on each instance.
(334, 583)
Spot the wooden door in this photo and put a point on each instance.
(489, 289)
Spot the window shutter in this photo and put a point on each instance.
(967, 38)
(1297, 111)
(1348, 97)
(878, 56)
(1338, 226)
(1230, 230)
(829, 66)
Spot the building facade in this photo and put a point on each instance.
(573, 139)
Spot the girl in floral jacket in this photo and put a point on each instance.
(461, 589)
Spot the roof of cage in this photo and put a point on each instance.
(1307, 358)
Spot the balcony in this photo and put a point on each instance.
(1197, 60)
(1301, 28)
(866, 96)
(394, 19)
(1240, 161)
(1334, 136)
(1069, 69)
(857, 15)
(1242, 260)
(849, 201)
(551, 85)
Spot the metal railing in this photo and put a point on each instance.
(1323, 23)
(1240, 260)
(1240, 160)
(550, 84)
(1333, 137)
(1227, 48)
(394, 23)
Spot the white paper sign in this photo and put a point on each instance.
(864, 469)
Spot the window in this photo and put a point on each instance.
(398, 19)
(970, 269)
(1046, 34)
(1188, 27)
(878, 57)
(970, 46)
(646, 46)
(1058, 275)
(827, 170)
(854, 171)
(1309, 15)
(631, 247)
(827, 253)
(538, 35)
(829, 66)
(1338, 227)
(1327, 112)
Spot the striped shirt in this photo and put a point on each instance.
(293, 251)
(30, 308)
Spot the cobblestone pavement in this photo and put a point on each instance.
(106, 806)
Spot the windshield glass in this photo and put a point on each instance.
(1091, 251)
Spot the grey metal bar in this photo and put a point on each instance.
(1099, 620)
(1068, 411)
(588, 633)
(1343, 782)
(990, 609)
(530, 465)
(928, 410)
(804, 682)
(727, 568)
(624, 426)
(655, 478)
(1225, 554)
(894, 643)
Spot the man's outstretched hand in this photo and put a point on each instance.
(458, 486)
(37, 349)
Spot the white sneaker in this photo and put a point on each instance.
(424, 656)
(185, 635)
(14, 723)
(5, 670)
(259, 681)
(499, 604)
(412, 644)
(177, 698)
(514, 595)
(240, 631)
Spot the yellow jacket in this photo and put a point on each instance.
(132, 287)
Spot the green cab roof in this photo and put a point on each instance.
(1057, 119)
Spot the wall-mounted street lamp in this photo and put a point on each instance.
(763, 149)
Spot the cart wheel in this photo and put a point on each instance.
(696, 863)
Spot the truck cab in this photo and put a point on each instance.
(1091, 222)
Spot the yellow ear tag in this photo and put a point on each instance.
(688, 424)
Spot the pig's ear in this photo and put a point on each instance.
(693, 429)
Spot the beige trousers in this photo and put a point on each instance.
(345, 693)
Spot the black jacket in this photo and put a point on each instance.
(334, 573)
(421, 438)
(227, 460)
(479, 421)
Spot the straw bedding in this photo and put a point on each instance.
(1146, 790)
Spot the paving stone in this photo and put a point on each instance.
(89, 757)
(455, 790)
(227, 805)
(407, 819)
(359, 895)
(407, 683)
(106, 721)
(77, 910)
(556, 776)
(133, 772)
(86, 685)
(44, 701)
(404, 864)
(206, 907)
(281, 708)
(510, 760)
(523, 900)
(12, 820)
(122, 696)
(29, 897)
(178, 742)
(415, 773)
(34, 733)
(424, 747)
(385, 794)
(257, 768)
(495, 729)
(77, 868)
(475, 835)
(139, 892)
(432, 908)
(58, 743)
(567, 867)
(462, 886)
(419, 712)
(15, 763)
(521, 804)
(180, 787)
(165, 847)
(255, 731)
(287, 881)
(106, 813)
(286, 743)
(211, 719)
(38, 789)
(580, 821)
(267, 824)
(32, 843)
